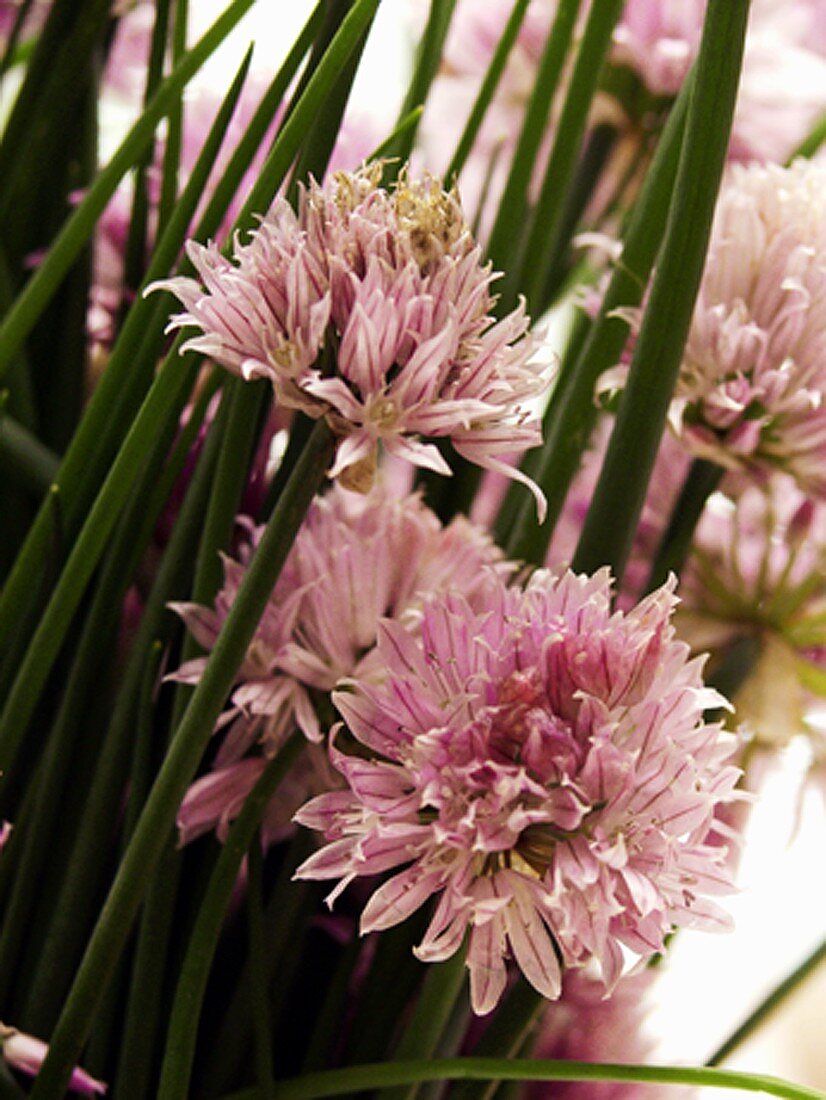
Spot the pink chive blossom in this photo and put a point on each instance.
(586, 1026)
(758, 571)
(393, 283)
(750, 395)
(783, 83)
(6, 828)
(659, 39)
(540, 764)
(356, 559)
(25, 1053)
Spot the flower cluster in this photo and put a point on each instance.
(753, 380)
(752, 385)
(356, 559)
(392, 285)
(758, 572)
(541, 764)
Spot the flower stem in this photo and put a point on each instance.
(769, 1004)
(487, 90)
(354, 1079)
(442, 987)
(187, 746)
(259, 1004)
(542, 235)
(620, 493)
(23, 455)
(702, 479)
(186, 1010)
(428, 58)
(80, 225)
(510, 218)
(571, 414)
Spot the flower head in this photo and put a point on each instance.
(392, 285)
(543, 766)
(758, 573)
(356, 559)
(753, 381)
(783, 82)
(750, 395)
(27, 1054)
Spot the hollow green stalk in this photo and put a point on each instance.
(612, 519)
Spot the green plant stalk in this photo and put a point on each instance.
(355, 1079)
(259, 1004)
(170, 390)
(510, 218)
(174, 124)
(320, 141)
(620, 492)
(112, 406)
(141, 1029)
(294, 128)
(44, 122)
(572, 414)
(75, 898)
(10, 50)
(186, 1010)
(79, 227)
(26, 457)
(161, 404)
(165, 391)
(179, 765)
(425, 67)
(769, 1004)
(443, 984)
(136, 237)
(508, 1035)
(290, 907)
(327, 1024)
(542, 247)
(487, 90)
(812, 142)
(702, 479)
(141, 1025)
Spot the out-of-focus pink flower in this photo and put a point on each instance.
(783, 84)
(586, 1026)
(9, 11)
(542, 764)
(5, 833)
(753, 381)
(752, 386)
(394, 282)
(659, 39)
(27, 1054)
(758, 571)
(356, 559)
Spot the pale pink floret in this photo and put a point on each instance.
(753, 381)
(751, 394)
(543, 766)
(356, 559)
(25, 1053)
(395, 282)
